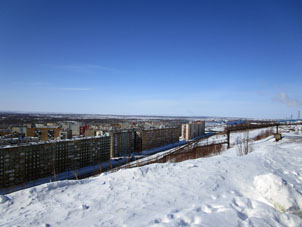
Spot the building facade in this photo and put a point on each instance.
(21, 164)
(192, 130)
(19, 129)
(122, 143)
(149, 139)
(44, 134)
(83, 129)
(90, 132)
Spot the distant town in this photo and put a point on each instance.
(35, 146)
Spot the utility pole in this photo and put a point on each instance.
(228, 138)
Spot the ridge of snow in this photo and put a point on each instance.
(263, 188)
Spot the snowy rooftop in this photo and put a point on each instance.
(51, 141)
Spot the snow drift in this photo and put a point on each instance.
(262, 188)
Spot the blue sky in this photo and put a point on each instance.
(193, 58)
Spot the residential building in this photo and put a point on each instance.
(90, 132)
(122, 143)
(71, 125)
(192, 130)
(75, 129)
(149, 139)
(45, 133)
(66, 134)
(20, 164)
(19, 129)
(4, 132)
(83, 129)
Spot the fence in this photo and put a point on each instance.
(191, 150)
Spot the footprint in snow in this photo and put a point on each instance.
(85, 207)
(3, 199)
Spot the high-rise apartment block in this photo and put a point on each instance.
(122, 143)
(149, 139)
(90, 132)
(19, 129)
(192, 130)
(45, 133)
(19, 164)
(28, 158)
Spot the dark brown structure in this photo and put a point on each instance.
(21, 164)
(44, 134)
(122, 143)
(149, 139)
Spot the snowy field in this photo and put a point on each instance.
(251, 133)
(237, 136)
(262, 188)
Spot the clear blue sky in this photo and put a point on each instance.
(200, 58)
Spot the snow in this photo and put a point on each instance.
(163, 148)
(235, 136)
(278, 192)
(3, 199)
(263, 188)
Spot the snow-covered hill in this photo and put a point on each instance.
(262, 188)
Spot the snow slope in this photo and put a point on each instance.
(262, 188)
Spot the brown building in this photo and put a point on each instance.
(192, 130)
(90, 132)
(44, 134)
(149, 139)
(4, 132)
(21, 164)
(122, 143)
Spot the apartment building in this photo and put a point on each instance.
(44, 133)
(4, 132)
(90, 132)
(18, 140)
(122, 143)
(149, 139)
(19, 129)
(71, 125)
(66, 134)
(192, 130)
(20, 164)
